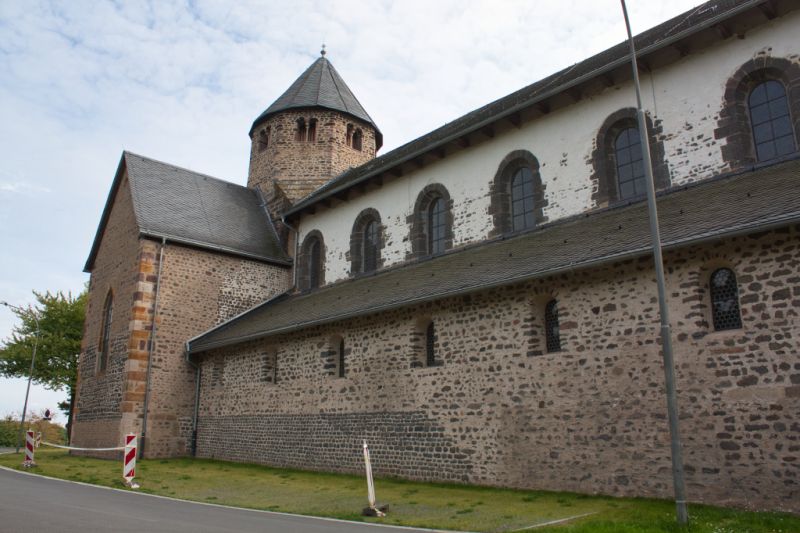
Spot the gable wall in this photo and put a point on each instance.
(98, 406)
(502, 411)
(684, 100)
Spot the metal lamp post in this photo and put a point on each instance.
(30, 374)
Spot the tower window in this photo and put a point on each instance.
(263, 139)
(725, 300)
(312, 131)
(630, 164)
(357, 137)
(552, 333)
(769, 116)
(349, 135)
(300, 133)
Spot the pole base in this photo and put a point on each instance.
(28, 464)
(378, 510)
(131, 484)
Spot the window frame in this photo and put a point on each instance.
(420, 231)
(716, 318)
(309, 272)
(358, 242)
(501, 193)
(552, 327)
(771, 120)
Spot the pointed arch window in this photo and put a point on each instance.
(551, 329)
(105, 336)
(522, 204)
(725, 310)
(630, 164)
(771, 122)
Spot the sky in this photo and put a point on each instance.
(182, 81)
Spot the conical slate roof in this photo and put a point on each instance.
(319, 86)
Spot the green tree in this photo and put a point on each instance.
(61, 322)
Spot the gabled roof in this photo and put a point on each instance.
(320, 86)
(193, 209)
(615, 60)
(725, 206)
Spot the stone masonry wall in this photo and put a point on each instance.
(299, 167)
(501, 411)
(98, 406)
(198, 291)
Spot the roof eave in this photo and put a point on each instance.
(708, 23)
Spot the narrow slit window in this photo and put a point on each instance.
(105, 337)
(300, 133)
(552, 333)
(357, 138)
(630, 164)
(725, 300)
(430, 348)
(772, 125)
(263, 139)
(340, 356)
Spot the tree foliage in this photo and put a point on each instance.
(61, 328)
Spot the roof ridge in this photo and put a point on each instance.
(184, 169)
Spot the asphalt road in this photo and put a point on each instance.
(32, 504)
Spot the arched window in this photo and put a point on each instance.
(263, 139)
(760, 117)
(522, 211)
(517, 194)
(431, 222)
(349, 136)
(105, 334)
(366, 242)
(430, 345)
(437, 222)
(314, 263)
(552, 334)
(630, 164)
(357, 138)
(617, 159)
(300, 133)
(371, 246)
(725, 300)
(311, 136)
(269, 366)
(340, 365)
(311, 263)
(769, 117)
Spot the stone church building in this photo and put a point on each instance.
(479, 303)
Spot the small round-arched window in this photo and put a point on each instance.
(725, 300)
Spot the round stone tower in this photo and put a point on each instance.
(315, 131)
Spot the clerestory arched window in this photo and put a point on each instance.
(522, 204)
(366, 242)
(437, 225)
(311, 263)
(630, 164)
(773, 135)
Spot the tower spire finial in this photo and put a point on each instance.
(322, 52)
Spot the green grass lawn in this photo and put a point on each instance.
(411, 504)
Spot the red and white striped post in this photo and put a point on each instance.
(30, 442)
(129, 461)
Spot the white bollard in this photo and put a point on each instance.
(30, 442)
(370, 485)
(129, 461)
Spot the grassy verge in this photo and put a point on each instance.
(411, 504)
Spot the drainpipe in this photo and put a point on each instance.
(296, 248)
(150, 349)
(197, 369)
